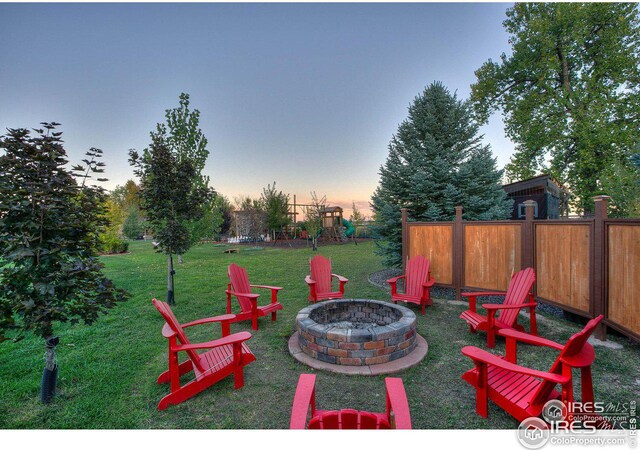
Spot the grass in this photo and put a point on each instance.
(108, 370)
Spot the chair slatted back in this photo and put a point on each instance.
(517, 293)
(347, 419)
(173, 323)
(321, 273)
(574, 345)
(417, 273)
(240, 284)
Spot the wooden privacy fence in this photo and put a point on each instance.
(584, 266)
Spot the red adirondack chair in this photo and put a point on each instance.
(396, 414)
(225, 356)
(240, 288)
(320, 287)
(417, 283)
(518, 296)
(522, 392)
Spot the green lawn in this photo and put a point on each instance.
(108, 370)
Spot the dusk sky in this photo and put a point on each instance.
(307, 95)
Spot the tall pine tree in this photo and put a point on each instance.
(436, 162)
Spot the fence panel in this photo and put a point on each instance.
(584, 266)
(563, 255)
(623, 280)
(434, 242)
(491, 254)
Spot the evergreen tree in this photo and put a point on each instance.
(134, 225)
(435, 162)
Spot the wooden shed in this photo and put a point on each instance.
(550, 197)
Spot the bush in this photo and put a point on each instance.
(110, 243)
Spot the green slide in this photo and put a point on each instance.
(350, 229)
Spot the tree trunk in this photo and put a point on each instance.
(50, 373)
(171, 272)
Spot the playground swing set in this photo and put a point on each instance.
(334, 226)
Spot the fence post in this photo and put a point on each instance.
(405, 239)
(458, 252)
(598, 294)
(528, 259)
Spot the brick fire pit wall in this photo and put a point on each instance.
(356, 332)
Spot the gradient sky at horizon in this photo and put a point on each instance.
(307, 95)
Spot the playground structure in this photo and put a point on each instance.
(249, 225)
(334, 226)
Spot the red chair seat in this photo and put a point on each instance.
(519, 389)
(328, 295)
(475, 320)
(219, 358)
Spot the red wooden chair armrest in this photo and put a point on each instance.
(235, 338)
(395, 279)
(304, 397)
(477, 354)
(310, 280)
(240, 294)
(397, 404)
(483, 293)
(222, 318)
(273, 288)
(429, 283)
(340, 278)
(528, 338)
(494, 306)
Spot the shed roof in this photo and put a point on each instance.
(544, 181)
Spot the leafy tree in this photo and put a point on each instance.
(109, 237)
(49, 227)
(357, 219)
(435, 162)
(185, 139)
(223, 205)
(250, 218)
(569, 91)
(276, 207)
(313, 218)
(622, 182)
(171, 198)
(356, 216)
(123, 211)
(210, 224)
(127, 195)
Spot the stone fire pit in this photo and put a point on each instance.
(368, 334)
